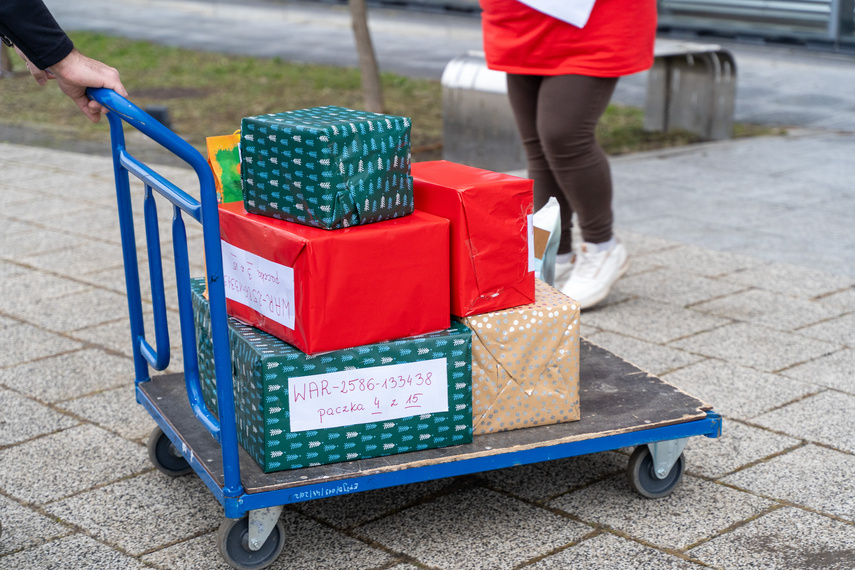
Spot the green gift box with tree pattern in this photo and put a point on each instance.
(296, 410)
(327, 167)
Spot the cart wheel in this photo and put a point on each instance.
(233, 542)
(165, 456)
(644, 481)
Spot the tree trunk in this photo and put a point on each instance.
(372, 92)
(5, 60)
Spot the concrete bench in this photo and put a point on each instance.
(691, 86)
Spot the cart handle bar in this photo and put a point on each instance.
(205, 211)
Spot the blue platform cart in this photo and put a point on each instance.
(621, 405)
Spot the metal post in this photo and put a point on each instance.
(840, 20)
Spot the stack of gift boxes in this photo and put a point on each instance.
(378, 307)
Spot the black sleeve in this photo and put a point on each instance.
(32, 28)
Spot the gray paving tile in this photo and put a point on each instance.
(844, 300)
(767, 309)
(785, 538)
(824, 418)
(749, 345)
(73, 311)
(193, 554)
(161, 510)
(42, 206)
(25, 528)
(833, 371)
(738, 446)
(671, 522)
(642, 244)
(77, 552)
(11, 270)
(697, 260)
(102, 223)
(112, 279)
(86, 257)
(735, 391)
(309, 545)
(653, 358)
(17, 291)
(39, 241)
(607, 551)
(22, 419)
(791, 280)
(811, 476)
(477, 529)
(69, 375)
(543, 481)
(22, 343)
(67, 462)
(650, 320)
(675, 287)
(115, 410)
(840, 330)
(347, 511)
(117, 334)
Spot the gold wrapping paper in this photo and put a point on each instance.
(525, 364)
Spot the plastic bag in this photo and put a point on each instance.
(547, 234)
(224, 158)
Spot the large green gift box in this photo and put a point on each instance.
(327, 167)
(295, 410)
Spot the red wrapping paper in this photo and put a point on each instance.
(351, 287)
(490, 215)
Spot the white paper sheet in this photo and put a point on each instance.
(575, 12)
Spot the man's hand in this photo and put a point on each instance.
(74, 74)
(77, 72)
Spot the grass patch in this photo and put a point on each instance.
(208, 94)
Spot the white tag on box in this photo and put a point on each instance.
(532, 262)
(260, 284)
(367, 395)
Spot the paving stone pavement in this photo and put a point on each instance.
(741, 292)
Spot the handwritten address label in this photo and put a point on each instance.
(260, 284)
(368, 395)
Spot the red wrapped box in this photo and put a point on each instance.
(492, 259)
(322, 290)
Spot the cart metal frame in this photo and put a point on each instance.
(622, 406)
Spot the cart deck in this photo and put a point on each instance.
(621, 406)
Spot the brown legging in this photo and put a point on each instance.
(557, 117)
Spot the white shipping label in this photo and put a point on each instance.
(368, 395)
(531, 259)
(259, 284)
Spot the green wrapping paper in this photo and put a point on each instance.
(294, 410)
(327, 167)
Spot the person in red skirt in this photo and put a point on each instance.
(563, 59)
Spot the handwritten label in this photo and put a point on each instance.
(532, 262)
(367, 395)
(260, 284)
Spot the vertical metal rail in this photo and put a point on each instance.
(223, 429)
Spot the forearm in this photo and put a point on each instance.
(33, 30)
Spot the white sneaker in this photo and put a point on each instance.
(595, 272)
(563, 270)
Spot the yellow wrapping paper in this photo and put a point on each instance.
(525, 363)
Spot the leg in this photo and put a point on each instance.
(568, 110)
(523, 94)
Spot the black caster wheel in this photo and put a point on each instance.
(164, 456)
(233, 542)
(643, 479)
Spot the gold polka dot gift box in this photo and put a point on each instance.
(525, 364)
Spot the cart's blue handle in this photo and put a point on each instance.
(204, 211)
